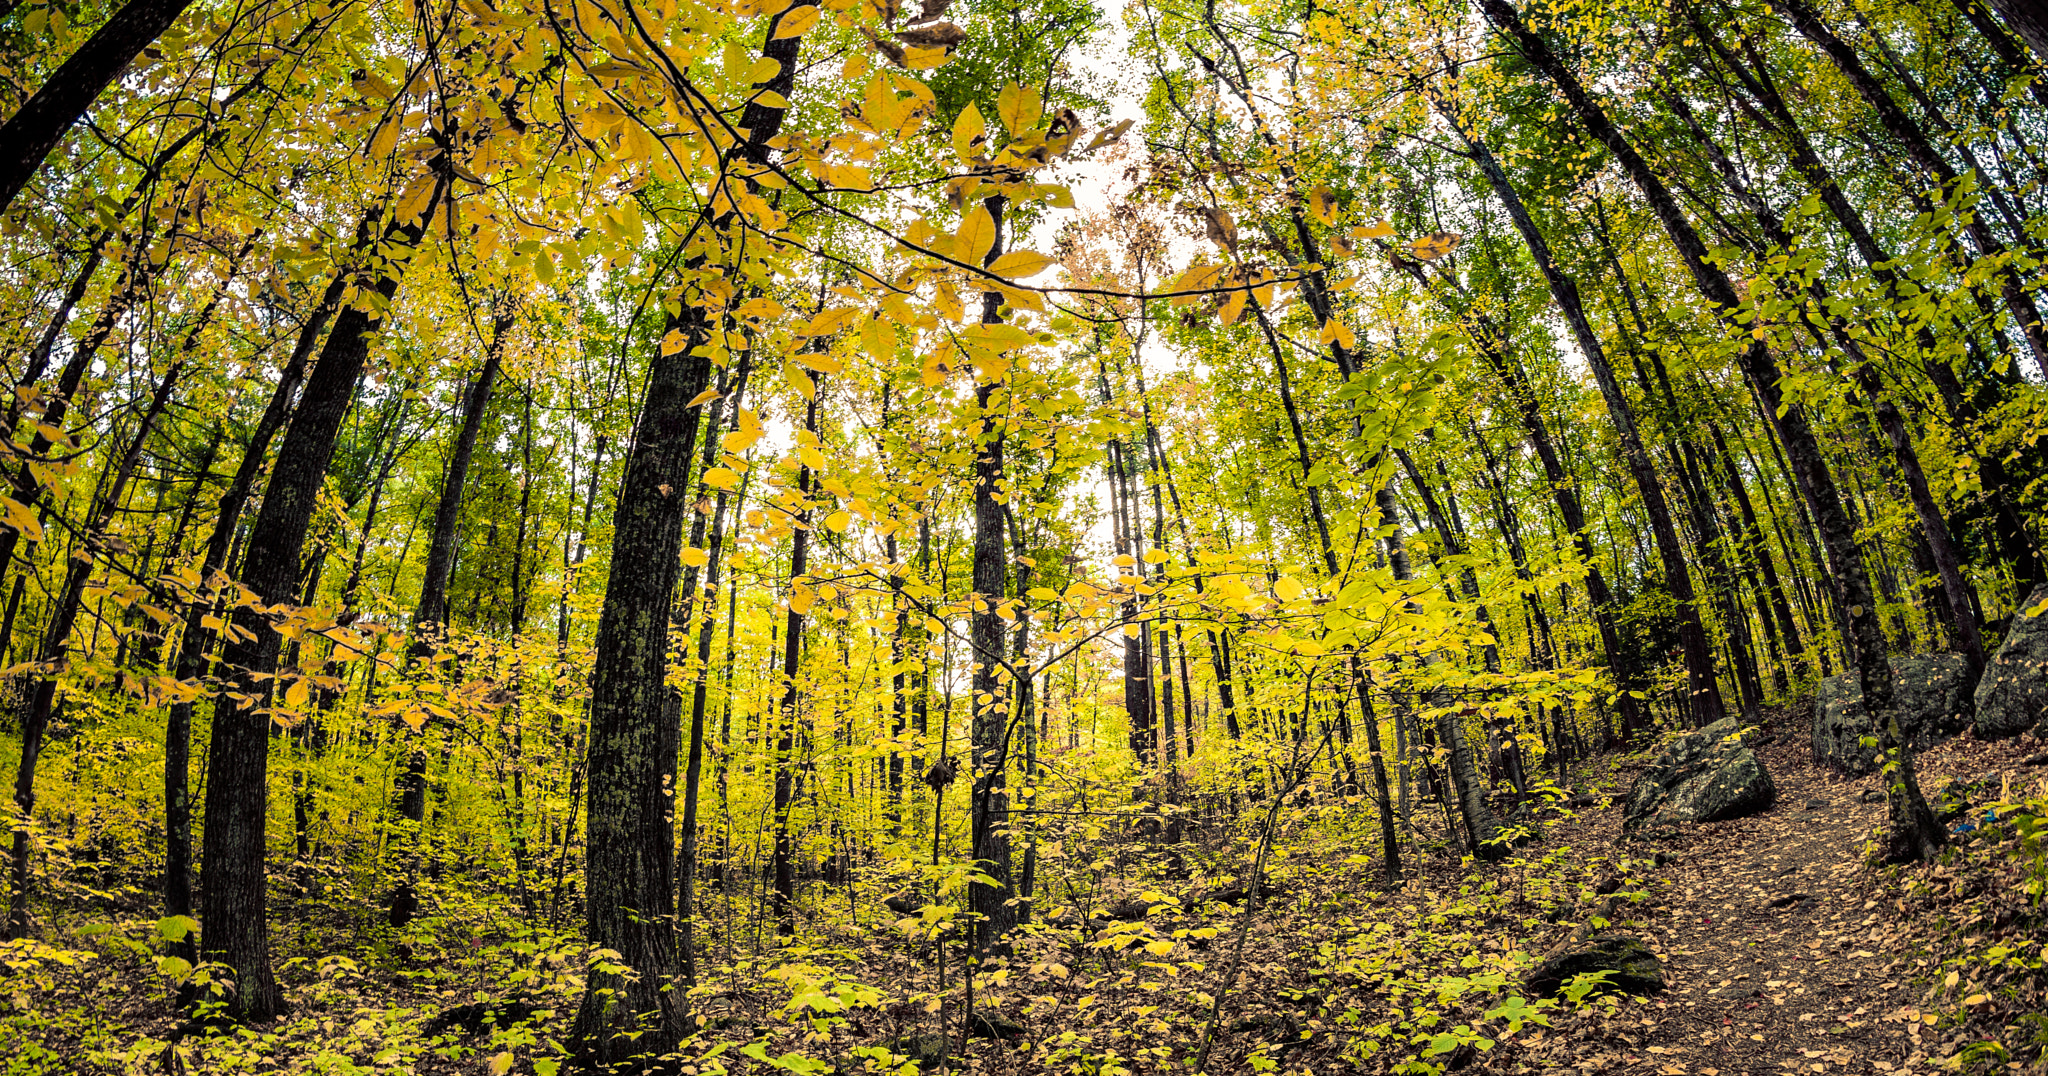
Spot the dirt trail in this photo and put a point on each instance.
(1776, 948)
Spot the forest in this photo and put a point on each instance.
(1215, 536)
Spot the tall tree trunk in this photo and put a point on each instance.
(714, 549)
(1704, 696)
(791, 707)
(633, 746)
(64, 614)
(1909, 134)
(993, 691)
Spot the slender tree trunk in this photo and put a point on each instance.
(1909, 134)
(1914, 833)
(1704, 693)
(63, 615)
(430, 616)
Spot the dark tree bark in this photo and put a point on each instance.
(195, 640)
(783, 899)
(32, 133)
(993, 691)
(633, 745)
(236, 917)
(1909, 134)
(1914, 832)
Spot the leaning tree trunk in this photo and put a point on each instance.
(42, 122)
(1703, 695)
(64, 614)
(236, 918)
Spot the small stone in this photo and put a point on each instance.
(1787, 900)
(1816, 803)
(1872, 795)
(926, 1050)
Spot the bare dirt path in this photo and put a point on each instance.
(1783, 952)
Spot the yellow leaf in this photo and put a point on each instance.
(1155, 556)
(795, 23)
(976, 235)
(501, 1063)
(832, 321)
(722, 477)
(696, 558)
(1020, 263)
(1233, 305)
(1322, 202)
(1019, 107)
(800, 599)
(702, 398)
(1288, 588)
(1159, 948)
(1197, 278)
(968, 130)
(822, 363)
(837, 521)
(295, 695)
(1435, 245)
(1374, 231)
(764, 70)
(947, 299)
(811, 458)
(918, 58)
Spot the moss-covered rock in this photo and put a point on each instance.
(1931, 692)
(2012, 697)
(1703, 776)
(1635, 969)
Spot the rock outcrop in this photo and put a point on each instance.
(1931, 692)
(1701, 776)
(2012, 697)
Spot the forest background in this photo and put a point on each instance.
(673, 517)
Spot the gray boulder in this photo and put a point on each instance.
(1634, 968)
(1931, 692)
(2013, 695)
(1702, 776)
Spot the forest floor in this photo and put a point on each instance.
(1782, 950)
